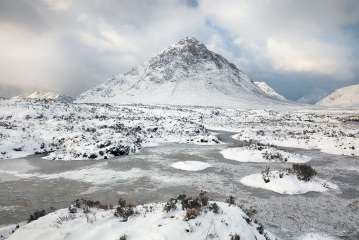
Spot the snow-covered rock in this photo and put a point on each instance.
(149, 221)
(186, 73)
(342, 97)
(191, 165)
(270, 91)
(262, 154)
(287, 183)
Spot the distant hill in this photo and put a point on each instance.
(270, 91)
(46, 95)
(342, 97)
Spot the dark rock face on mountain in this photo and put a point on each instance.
(186, 73)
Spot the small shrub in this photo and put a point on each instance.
(214, 208)
(271, 156)
(251, 211)
(170, 205)
(72, 209)
(191, 203)
(122, 202)
(235, 237)
(181, 197)
(191, 213)
(203, 198)
(266, 174)
(123, 237)
(124, 211)
(231, 200)
(304, 172)
(60, 220)
(36, 215)
(260, 228)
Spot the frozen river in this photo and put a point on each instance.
(31, 183)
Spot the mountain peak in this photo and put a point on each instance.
(187, 54)
(186, 73)
(190, 41)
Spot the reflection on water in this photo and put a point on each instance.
(32, 183)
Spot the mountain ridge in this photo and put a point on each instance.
(270, 91)
(45, 95)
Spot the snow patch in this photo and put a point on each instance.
(191, 165)
(288, 184)
(265, 154)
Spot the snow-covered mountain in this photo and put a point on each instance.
(186, 73)
(342, 97)
(270, 91)
(46, 95)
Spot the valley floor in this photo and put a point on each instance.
(157, 152)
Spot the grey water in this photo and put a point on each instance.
(32, 183)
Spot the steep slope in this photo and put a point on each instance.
(44, 95)
(342, 97)
(186, 73)
(270, 91)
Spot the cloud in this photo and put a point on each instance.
(85, 42)
(298, 36)
(310, 56)
(29, 59)
(58, 5)
(69, 46)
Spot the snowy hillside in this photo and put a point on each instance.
(343, 97)
(186, 73)
(270, 91)
(45, 95)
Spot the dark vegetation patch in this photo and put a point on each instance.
(303, 172)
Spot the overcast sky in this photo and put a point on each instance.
(302, 48)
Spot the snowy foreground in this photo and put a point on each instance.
(215, 220)
(86, 131)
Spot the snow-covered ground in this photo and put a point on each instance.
(148, 222)
(262, 154)
(190, 165)
(6, 231)
(80, 131)
(99, 131)
(287, 184)
(329, 131)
